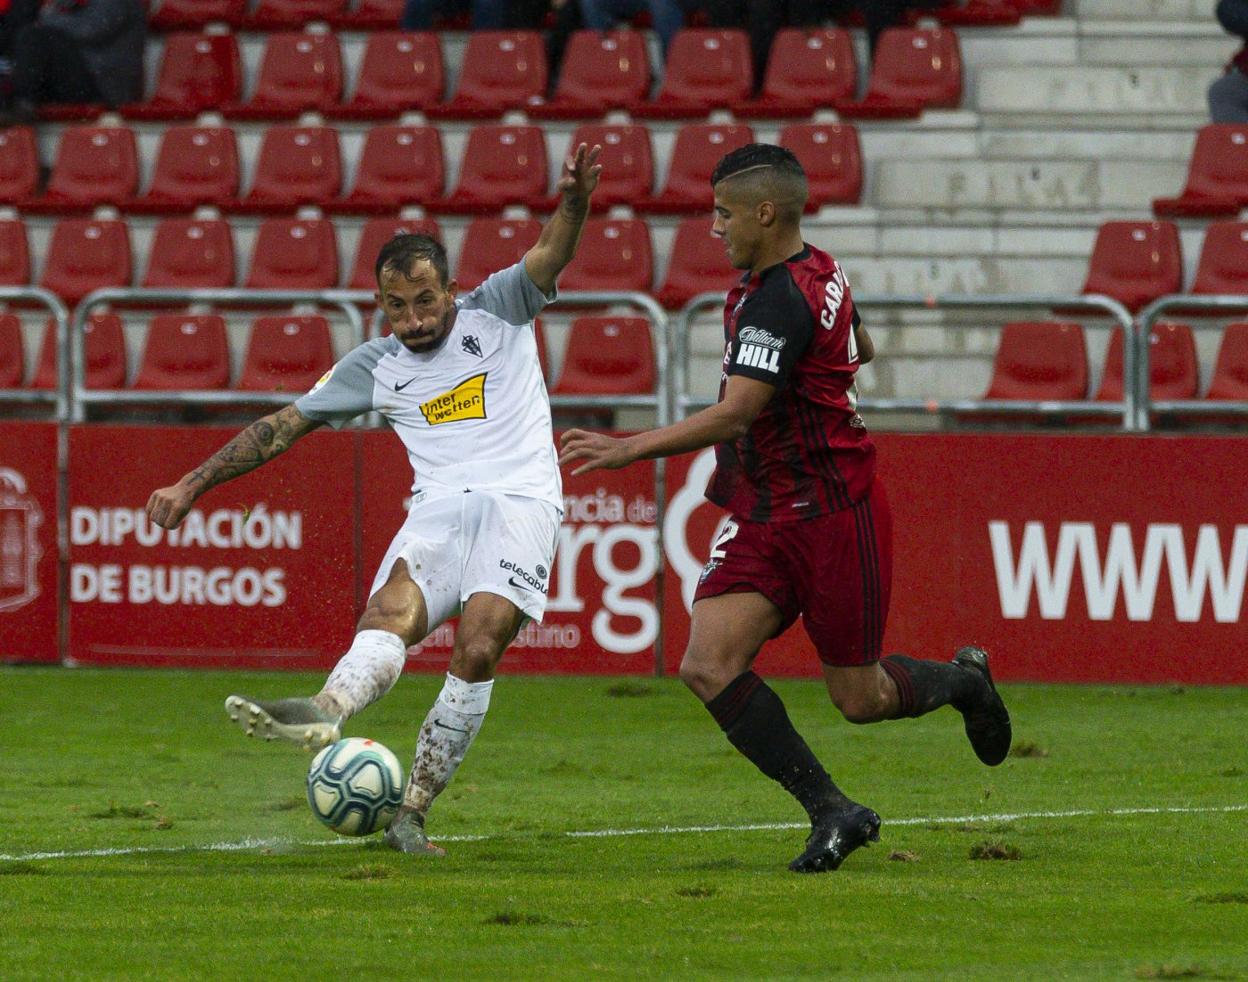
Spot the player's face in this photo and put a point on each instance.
(420, 310)
(736, 222)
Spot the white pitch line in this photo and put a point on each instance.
(244, 845)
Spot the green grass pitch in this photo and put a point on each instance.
(143, 837)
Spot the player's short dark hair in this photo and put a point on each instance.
(406, 248)
(773, 172)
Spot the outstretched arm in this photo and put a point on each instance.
(259, 443)
(556, 246)
(729, 419)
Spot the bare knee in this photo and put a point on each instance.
(707, 674)
(863, 694)
(860, 707)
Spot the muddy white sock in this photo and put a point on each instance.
(364, 674)
(445, 737)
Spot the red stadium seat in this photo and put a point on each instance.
(181, 15)
(807, 69)
(298, 72)
(297, 165)
(195, 165)
(286, 354)
(400, 72)
(294, 254)
(601, 71)
(399, 165)
(706, 69)
(1223, 265)
(608, 356)
(84, 255)
(1230, 370)
(368, 15)
(197, 72)
(832, 158)
(627, 165)
(503, 165)
(95, 165)
(614, 254)
(105, 346)
(1135, 262)
(698, 263)
(697, 149)
(19, 164)
(184, 351)
(1173, 371)
(913, 69)
(491, 244)
(1217, 176)
(1040, 360)
(976, 13)
(188, 253)
(277, 15)
(14, 254)
(501, 70)
(12, 352)
(376, 233)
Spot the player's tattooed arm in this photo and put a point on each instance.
(257, 444)
(557, 244)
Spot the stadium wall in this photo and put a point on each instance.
(1077, 558)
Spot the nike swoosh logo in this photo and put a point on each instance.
(400, 388)
(438, 723)
(519, 586)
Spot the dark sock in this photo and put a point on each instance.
(755, 722)
(924, 685)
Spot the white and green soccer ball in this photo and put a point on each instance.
(355, 786)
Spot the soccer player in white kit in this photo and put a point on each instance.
(460, 382)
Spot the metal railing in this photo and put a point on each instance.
(1127, 409)
(60, 324)
(1232, 305)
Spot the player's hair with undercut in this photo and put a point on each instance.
(766, 172)
(406, 248)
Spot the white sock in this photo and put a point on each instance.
(364, 674)
(445, 737)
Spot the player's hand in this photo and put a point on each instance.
(580, 172)
(168, 506)
(597, 450)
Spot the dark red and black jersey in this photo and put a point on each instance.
(808, 452)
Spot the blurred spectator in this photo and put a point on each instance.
(78, 51)
(1228, 96)
(666, 16)
(762, 19)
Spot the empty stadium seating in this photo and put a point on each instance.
(198, 72)
(86, 254)
(502, 165)
(176, 15)
(19, 164)
(12, 352)
(627, 164)
(398, 165)
(94, 165)
(294, 254)
(189, 253)
(104, 343)
(1040, 360)
(297, 165)
(492, 244)
(697, 150)
(913, 69)
(273, 15)
(286, 353)
(1172, 367)
(832, 158)
(14, 254)
(501, 70)
(614, 254)
(806, 70)
(608, 356)
(1223, 264)
(1217, 177)
(1135, 262)
(1230, 370)
(698, 263)
(399, 72)
(601, 71)
(195, 165)
(184, 351)
(706, 69)
(298, 72)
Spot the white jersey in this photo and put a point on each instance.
(474, 413)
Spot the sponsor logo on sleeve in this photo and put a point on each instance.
(758, 348)
(323, 379)
(465, 401)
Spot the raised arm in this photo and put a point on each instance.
(556, 246)
(259, 443)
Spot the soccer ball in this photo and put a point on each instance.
(355, 786)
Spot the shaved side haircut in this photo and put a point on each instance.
(765, 172)
(400, 252)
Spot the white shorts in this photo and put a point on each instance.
(460, 543)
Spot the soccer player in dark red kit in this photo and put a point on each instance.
(809, 528)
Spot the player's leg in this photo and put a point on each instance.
(488, 624)
(395, 618)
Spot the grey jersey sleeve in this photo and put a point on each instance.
(346, 391)
(510, 294)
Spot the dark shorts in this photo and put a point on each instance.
(834, 570)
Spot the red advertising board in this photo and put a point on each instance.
(262, 573)
(28, 554)
(601, 615)
(1072, 558)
